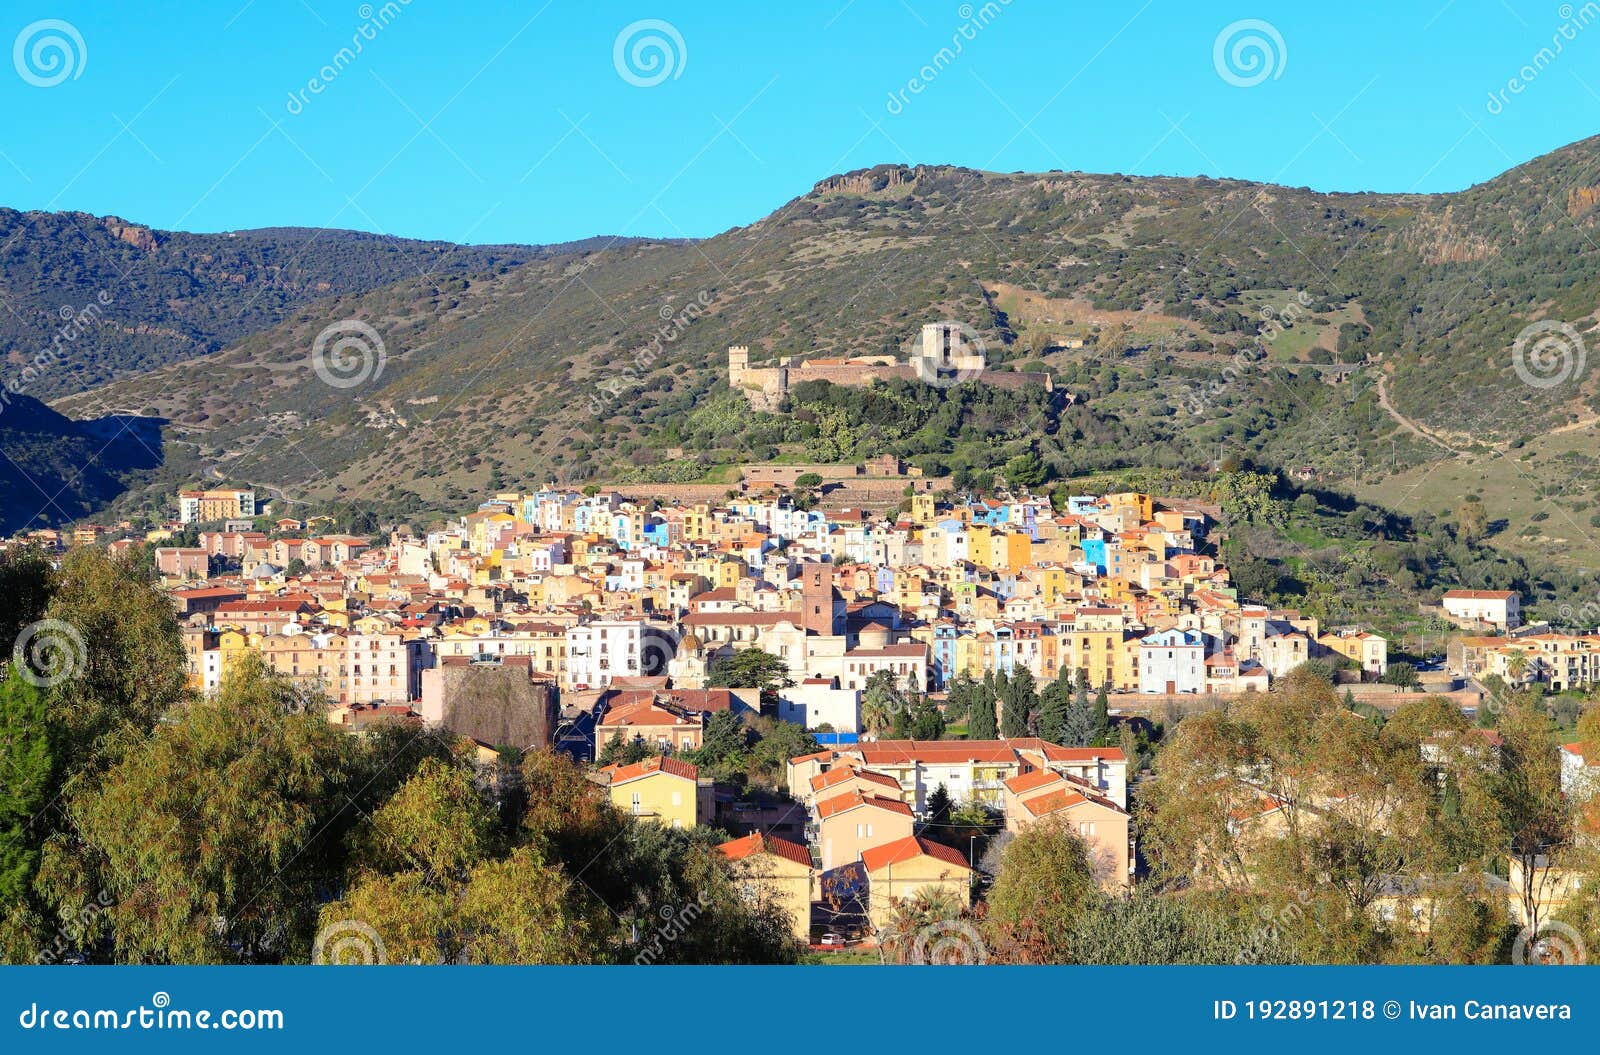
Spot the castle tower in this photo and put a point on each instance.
(738, 365)
(819, 611)
(941, 342)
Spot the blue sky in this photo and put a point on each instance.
(500, 122)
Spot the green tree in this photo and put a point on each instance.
(724, 740)
(1054, 703)
(1020, 700)
(940, 806)
(213, 837)
(1102, 717)
(1078, 728)
(130, 668)
(750, 668)
(27, 766)
(620, 752)
(1027, 470)
(882, 703)
(26, 582)
(1043, 890)
(1401, 674)
(981, 723)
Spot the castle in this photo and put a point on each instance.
(943, 357)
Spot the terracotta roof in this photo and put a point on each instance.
(1480, 595)
(758, 843)
(658, 764)
(1066, 798)
(909, 849)
(844, 774)
(852, 799)
(1026, 782)
(642, 712)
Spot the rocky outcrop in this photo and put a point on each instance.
(868, 181)
(141, 238)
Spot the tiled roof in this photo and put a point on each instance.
(759, 843)
(852, 799)
(909, 849)
(657, 764)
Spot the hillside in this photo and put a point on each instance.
(67, 469)
(162, 297)
(1144, 296)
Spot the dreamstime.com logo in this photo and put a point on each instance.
(348, 353)
(349, 942)
(1555, 944)
(1249, 52)
(49, 52)
(49, 652)
(1549, 353)
(949, 353)
(158, 1014)
(648, 52)
(949, 942)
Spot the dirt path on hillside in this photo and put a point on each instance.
(1406, 423)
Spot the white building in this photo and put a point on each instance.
(601, 650)
(1498, 608)
(1172, 661)
(814, 702)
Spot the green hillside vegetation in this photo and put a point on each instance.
(167, 296)
(1188, 318)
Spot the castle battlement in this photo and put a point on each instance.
(944, 354)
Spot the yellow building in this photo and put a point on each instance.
(666, 791)
(900, 870)
(776, 870)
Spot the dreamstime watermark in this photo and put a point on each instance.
(158, 1014)
(1200, 397)
(74, 933)
(348, 942)
(673, 324)
(950, 942)
(348, 353)
(1249, 52)
(675, 923)
(973, 21)
(1276, 320)
(48, 52)
(1269, 936)
(958, 354)
(1573, 22)
(374, 20)
(75, 322)
(658, 647)
(649, 52)
(1554, 944)
(1549, 353)
(49, 652)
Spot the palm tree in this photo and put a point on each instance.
(906, 935)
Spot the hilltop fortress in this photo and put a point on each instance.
(943, 357)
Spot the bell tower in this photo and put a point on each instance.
(819, 613)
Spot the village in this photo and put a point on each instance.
(622, 632)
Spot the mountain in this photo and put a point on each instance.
(158, 297)
(67, 469)
(1388, 322)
